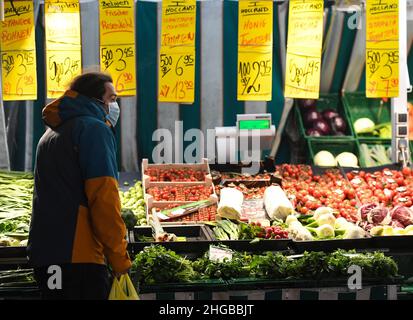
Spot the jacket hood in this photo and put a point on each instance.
(69, 106)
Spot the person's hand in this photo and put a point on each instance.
(119, 274)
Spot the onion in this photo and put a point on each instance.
(322, 126)
(307, 103)
(313, 132)
(310, 117)
(329, 114)
(338, 124)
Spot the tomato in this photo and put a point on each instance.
(406, 171)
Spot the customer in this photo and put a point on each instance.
(76, 221)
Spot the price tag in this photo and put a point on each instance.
(178, 23)
(62, 67)
(177, 75)
(219, 254)
(305, 36)
(63, 45)
(177, 54)
(18, 51)
(255, 26)
(117, 44)
(382, 49)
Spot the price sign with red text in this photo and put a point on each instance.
(63, 45)
(255, 25)
(117, 44)
(305, 36)
(18, 51)
(177, 54)
(382, 48)
(176, 75)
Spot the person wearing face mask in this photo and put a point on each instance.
(76, 228)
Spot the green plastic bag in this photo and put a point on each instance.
(123, 289)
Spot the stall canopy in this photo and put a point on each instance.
(216, 76)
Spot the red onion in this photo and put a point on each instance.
(307, 103)
(338, 124)
(329, 114)
(322, 126)
(310, 117)
(313, 132)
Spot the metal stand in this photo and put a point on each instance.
(399, 110)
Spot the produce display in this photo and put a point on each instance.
(376, 155)
(309, 192)
(325, 123)
(248, 192)
(229, 230)
(323, 225)
(16, 193)
(380, 220)
(132, 202)
(203, 214)
(366, 127)
(387, 187)
(175, 175)
(180, 193)
(157, 265)
(325, 158)
(234, 176)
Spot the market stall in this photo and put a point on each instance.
(238, 221)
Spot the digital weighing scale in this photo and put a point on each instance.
(244, 142)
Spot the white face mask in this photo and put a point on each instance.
(114, 112)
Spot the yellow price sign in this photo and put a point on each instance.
(62, 67)
(117, 44)
(254, 75)
(178, 23)
(305, 36)
(117, 60)
(255, 23)
(177, 75)
(19, 75)
(63, 45)
(302, 76)
(382, 49)
(18, 51)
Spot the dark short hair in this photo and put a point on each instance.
(91, 84)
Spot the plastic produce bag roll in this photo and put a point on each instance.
(230, 204)
(277, 204)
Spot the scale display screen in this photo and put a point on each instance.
(260, 124)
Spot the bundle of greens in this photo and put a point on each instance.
(16, 192)
(237, 267)
(155, 264)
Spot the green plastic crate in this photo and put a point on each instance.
(334, 146)
(326, 101)
(357, 106)
(370, 143)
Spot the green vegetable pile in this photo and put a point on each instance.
(377, 155)
(157, 265)
(132, 202)
(16, 192)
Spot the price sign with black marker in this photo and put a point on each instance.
(305, 35)
(382, 49)
(18, 51)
